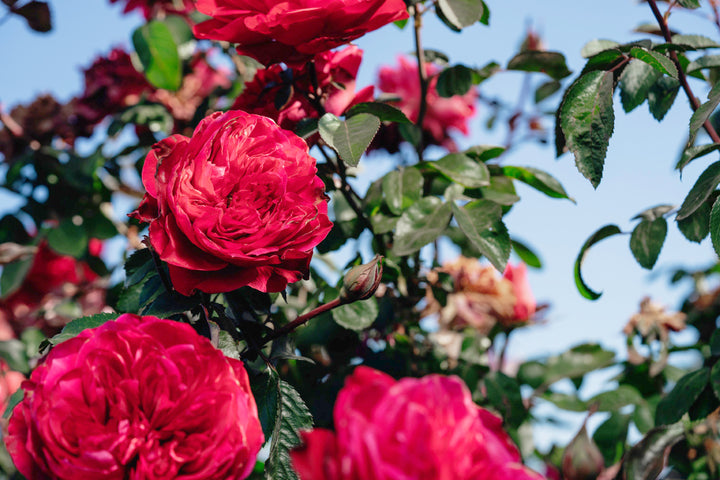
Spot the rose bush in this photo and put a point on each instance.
(293, 31)
(426, 428)
(237, 204)
(136, 398)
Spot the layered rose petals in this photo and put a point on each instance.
(238, 204)
(136, 398)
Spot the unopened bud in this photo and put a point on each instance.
(582, 459)
(361, 282)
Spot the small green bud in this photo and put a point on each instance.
(361, 282)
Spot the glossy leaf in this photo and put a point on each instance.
(421, 224)
(383, 111)
(715, 225)
(635, 83)
(587, 119)
(601, 234)
(696, 226)
(68, 239)
(656, 60)
(526, 254)
(292, 417)
(646, 459)
(661, 96)
(456, 80)
(461, 13)
(463, 170)
(697, 151)
(402, 188)
(484, 153)
(538, 179)
(75, 327)
(689, 3)
(694, 41)
(357, 315)
(158, 53)
(550, 63)
(704, 186)
(604, 60)
(647, 240)
(702, 114)
(481, 222)
(349, 138)
(676, 403)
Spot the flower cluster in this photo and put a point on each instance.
(139, 397)
(426, 428)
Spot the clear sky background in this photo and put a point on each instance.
(638, 173)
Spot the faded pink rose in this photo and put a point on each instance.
(238, 204)
(335, 74)
(152, 8)
(443, 115)
(413, 429)
(524, 299)
(136, 398)
(293, 31)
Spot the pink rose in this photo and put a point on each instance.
(335, 77)
(237, 204)
(293, 31)
(442, 116)
(136, 398)
(413, 429)
(151, 8)
(524, 300)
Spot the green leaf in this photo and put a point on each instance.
(676, 403)
(462, 169)
(708, 61)
(402, 188)
(13, 402)
(461, 13)
(693, 4)
(546, 89)
(14, 354)
(481, 222)
(601, 234)
(576, 362)
(503, 393)
(694, 42)
(593, 47)
(421, 224)
(484, 153)
(538, 179)
(75, 327)
(349, 138)
(604, 60)
(661, 96)
(704, 186)
(68, 239)
(615, 399)
(526, 254)
(158, 53)
(703, 113)
(635, 83)
(647, 240)
(456, 80)
(383, 111)
(611, 435)
(715, 379)
(565, 401)
(586, 119)
(715, 225)
(697, 151)
(646, 459)
(696, 226)
(551, 63)
(13, 275)
(653, 213)
(264, 387)
(167, 304)
(411, 133)
(179, 28)
(292, 417)
(357, 315)
(656, 60)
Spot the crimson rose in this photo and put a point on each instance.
(238, 204)
(414, 429)
(136, 398)
(293, 31)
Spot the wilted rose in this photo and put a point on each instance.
(415, 429)
(293, 31)
(238, 204)
(136, 398)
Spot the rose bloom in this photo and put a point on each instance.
(238, 204)
(525, 304)
(413, 429)
(151, 8)
(54, 285)
(136, 398)
(335, 76)
(443, 115)
(293, 31)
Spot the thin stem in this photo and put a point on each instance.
(503, 351)
(694, 102)
(422, 74)
(302, 319)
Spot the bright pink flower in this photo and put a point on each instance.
(137, 398)
(293, 31)
(524, 299)
(413, 429)
(238, 204)
(335, 77)
(442, 116)
(151, 8)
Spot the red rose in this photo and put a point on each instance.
(335, 74)
(415, 429)
(442, 116)
(237, 204)
(293, 31)
(136, 398)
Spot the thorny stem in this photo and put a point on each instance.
(422, 73)
(302, 319)
(694, 102)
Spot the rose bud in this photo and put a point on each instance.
(361, 282)
(582, 459)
